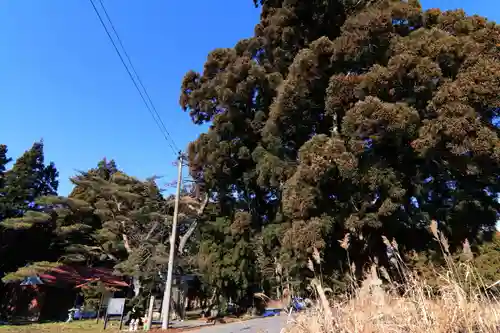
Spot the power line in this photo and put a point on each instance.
(152, 109)
(136, 74)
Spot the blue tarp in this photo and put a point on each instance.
(31, 281)
(84, 314)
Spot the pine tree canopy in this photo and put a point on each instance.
(109, 220)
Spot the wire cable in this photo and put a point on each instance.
(152, 109)
(136, 74)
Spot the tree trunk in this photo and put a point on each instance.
(209, 305)
(137, 286)
(136, 283)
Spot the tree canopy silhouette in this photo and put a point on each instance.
(365, 117)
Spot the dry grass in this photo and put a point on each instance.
(376, 310)
(460, 305)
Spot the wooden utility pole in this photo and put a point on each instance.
(168, 284)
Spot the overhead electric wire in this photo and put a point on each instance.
(137, 75)
(150, 107)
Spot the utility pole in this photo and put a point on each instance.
(168, 284)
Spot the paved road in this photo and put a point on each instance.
(261, 325)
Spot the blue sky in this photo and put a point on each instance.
(61, 80)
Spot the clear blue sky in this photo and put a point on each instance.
(60, 79)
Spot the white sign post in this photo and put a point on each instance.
(116, 307)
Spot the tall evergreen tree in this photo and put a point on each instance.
(366, 117)
(225, 257)
(28, 180)
(133, 223)
(28, 240)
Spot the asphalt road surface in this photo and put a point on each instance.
(261, 325)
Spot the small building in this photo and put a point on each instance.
(50, 295)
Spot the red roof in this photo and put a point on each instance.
(81, 275)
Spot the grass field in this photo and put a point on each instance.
(88, 326)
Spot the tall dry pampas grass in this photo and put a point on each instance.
(461, 304)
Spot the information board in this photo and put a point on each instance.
(116, 306)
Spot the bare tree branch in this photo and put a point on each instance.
(185, 237)
(101, 250)
(126, 242)
(150, 233)
(192, 227)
